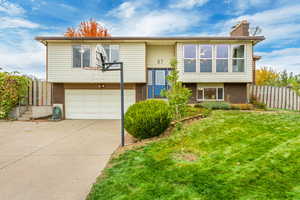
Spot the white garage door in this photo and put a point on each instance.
(96, 104)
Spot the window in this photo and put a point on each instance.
(81, 56)
(205, 52)
(112, 52)
(238, 58)
(222, 58)
(214, 58)
(190, 57)
(210, 94)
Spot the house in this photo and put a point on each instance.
(214, 68)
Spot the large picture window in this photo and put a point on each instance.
(214, 58)
(205, 54)
(81, 56)
(210, 94)
(189, 57)
(238, 58)
(222, 58)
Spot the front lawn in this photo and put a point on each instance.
(230, 155)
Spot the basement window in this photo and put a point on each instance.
(210, 94)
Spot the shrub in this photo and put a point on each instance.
(241, 106)
(214, 105)
(147, 119)
(178, 96)
(12, 88)
(257, 103)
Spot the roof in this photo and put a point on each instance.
(255, 39)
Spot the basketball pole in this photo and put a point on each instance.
(110, 66)
(107, 67)
(122, 104)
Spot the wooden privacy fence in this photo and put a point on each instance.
(39, 93)
(276, 97)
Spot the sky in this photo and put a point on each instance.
(22, 20)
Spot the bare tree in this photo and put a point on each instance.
(255, 30)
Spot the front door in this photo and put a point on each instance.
(157, 82)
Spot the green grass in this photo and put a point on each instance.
(230, 155)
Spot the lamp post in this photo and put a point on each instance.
(113, 66)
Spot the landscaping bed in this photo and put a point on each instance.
(229, 155)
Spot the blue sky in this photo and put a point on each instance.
(22, 20)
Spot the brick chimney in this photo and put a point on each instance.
(241, 29)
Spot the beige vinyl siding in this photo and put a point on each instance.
(60, 67)
(213, 77)
(162, 53)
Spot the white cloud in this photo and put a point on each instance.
(18, 50)
(11, 8)
(188, 4)
(14, 22)
(142, 18)
(280, 25)
(129, 9)
(240, 6)
(126, 9)
(27, 57)
(283, 59)
(155, 23)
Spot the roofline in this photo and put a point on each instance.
(256, 39)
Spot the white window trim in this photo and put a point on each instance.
(203, 99)
(196, 57)
(110, 47)
(228, 57)
(81, 56)
(199, 57)
(214, 58)
(244, 58)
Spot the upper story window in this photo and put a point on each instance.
(222, 58)
(205, 54)
(81, 56)
(112, 52)
(238, 58)
(190, 57)
(214, 58)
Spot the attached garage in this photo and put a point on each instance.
(96, 104)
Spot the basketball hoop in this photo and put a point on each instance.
(103, 64)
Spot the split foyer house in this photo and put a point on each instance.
(214, 68)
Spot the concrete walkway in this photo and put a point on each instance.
(54, 160)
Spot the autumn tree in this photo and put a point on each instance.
(265, 76)
(87, 29)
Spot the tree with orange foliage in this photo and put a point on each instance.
(88, 29)
(266, 76)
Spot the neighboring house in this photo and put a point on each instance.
(214, 68)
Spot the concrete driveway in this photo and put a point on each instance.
(54, 160)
